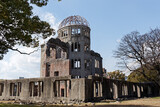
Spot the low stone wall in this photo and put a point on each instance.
(68, 90)
(103, 88)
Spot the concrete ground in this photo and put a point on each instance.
(143, 102)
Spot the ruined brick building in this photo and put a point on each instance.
(71, 72)
(69, 53)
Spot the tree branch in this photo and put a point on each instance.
(23, 52)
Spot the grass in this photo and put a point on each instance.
(16, 105)
(156, 98)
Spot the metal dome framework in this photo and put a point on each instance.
(74, 20)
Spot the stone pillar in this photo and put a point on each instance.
(94, 89)
(12, 89)
(32, 84)
(123, 91)
(56, 82)
(138, 91)
(142, 91)
(53, 91)
(126, 93)
(65, 89)
(99, 90)
(38, 89)
(17, 89)
(100, 83)
(59, 89)
(0, 89)
(115, 90)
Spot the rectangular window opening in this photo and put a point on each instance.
(76, 47)
(76, 31)
(76, 64)
(79, 31)
(56, 73)
(47, 70)
(96, 63)
(35, 93)
(65, 33)
(72, 47)
(1, 88)
(87, 64)
(36, 88)
(62, 92)
(73, 31)
(79, 47)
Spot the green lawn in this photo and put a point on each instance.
(16, 105)
(156, 98)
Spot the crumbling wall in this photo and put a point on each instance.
(116, 89)
(65, 89)
(54, 54)
(56, 66)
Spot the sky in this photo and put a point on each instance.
(109, 21)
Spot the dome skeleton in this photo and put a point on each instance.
(74, 20)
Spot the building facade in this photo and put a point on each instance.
(70, 53)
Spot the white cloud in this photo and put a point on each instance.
(118, 40)
(15, 65)
(49, 17)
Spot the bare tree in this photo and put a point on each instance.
(143, 51)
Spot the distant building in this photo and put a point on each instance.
(104, 72)
(21, 77)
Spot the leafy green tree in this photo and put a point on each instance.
(119, 75)
(136, 76)
(18, 25)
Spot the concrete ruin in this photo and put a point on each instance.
(69, 53)
(71, 72)
(67, 90)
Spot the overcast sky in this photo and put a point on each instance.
(109, 21)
